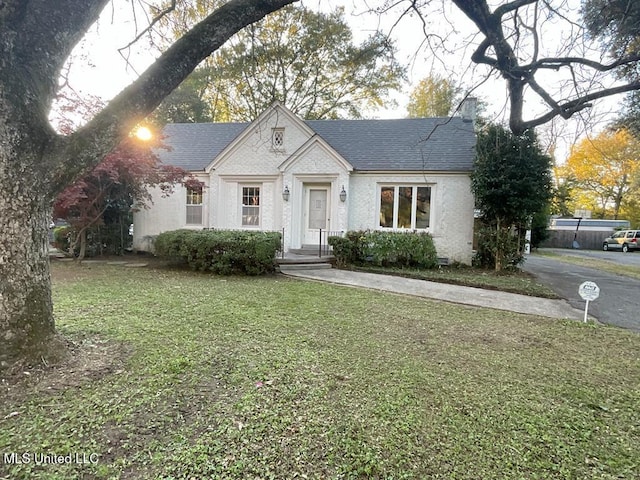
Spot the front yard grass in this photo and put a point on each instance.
(180, 375)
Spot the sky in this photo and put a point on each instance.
(98, 68)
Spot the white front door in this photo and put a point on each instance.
(316, 213)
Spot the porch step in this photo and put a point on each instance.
(307, 250)
(286, 267)
(304, 259)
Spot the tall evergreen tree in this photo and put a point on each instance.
(511, 183)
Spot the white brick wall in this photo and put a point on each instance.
(452, 202)
(164, 214)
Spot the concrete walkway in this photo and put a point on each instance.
(441, 291)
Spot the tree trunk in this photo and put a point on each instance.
(26, 311)
(83, 244)
(499, 252)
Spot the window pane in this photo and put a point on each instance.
(194, 214)
(386, 207)
(404, 206)
(423, 207)
(194, 196)
(194, 205)
(251, 206)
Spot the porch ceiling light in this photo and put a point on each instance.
(286, 194)
(343, 194)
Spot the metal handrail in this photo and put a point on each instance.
(323, 241)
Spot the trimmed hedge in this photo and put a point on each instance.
(386, 249)
(224, 252)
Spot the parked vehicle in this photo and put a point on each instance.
(624, 240)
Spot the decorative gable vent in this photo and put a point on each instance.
(277, 138)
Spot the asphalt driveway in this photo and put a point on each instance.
(619, 301)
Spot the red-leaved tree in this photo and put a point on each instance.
(117, 184)
(108, 193)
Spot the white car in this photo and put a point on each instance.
(624, 240)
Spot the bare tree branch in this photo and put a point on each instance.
(149, 28)
(567, 109)
(498, 51)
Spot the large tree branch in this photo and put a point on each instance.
(502, 10)
(37, 38)
(45, 33)
(85, 148)
(503, 58)
(556, 63)
(568, 108)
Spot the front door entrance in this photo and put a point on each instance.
(316, 212)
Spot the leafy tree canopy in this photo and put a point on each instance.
(304, 59)
(187, 103)
(603, 170)
(617, 24)
(434, 96)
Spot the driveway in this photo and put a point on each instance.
(618, 302)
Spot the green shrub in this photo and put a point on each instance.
(344, 251)
(400, 249)
(397, 249)
(61, 237)
(503, 243)
(223, 252)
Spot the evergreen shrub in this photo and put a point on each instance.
(223, 252)
(387, 249)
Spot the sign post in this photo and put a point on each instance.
(589, 291)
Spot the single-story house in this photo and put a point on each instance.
(297, 176)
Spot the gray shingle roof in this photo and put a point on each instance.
(442, 144)
(193, 146)
(435, 144)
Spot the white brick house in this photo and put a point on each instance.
(280, 172)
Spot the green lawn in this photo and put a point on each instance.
(187, 376)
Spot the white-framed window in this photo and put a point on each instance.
(194, 205)
(277, 138)
(250, 206)
(405, 207)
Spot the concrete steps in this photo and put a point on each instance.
(308, 250)
(291, 267)
(305, 261)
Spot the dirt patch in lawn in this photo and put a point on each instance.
(86, 360)
(68, 270)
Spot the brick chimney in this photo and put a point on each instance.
(468, 109)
